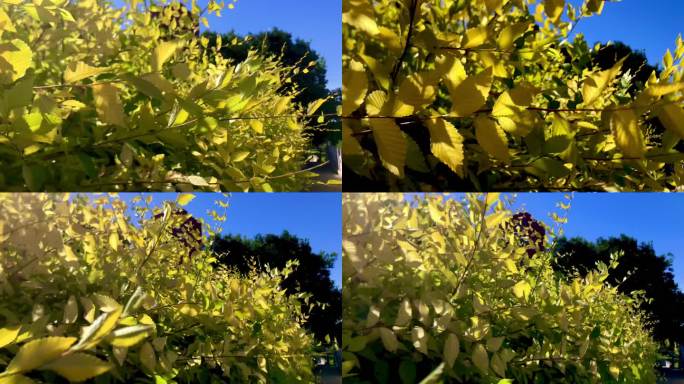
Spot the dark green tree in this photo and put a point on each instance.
(311, 276)
(640, 269)
(309, 79)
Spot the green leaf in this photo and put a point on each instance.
(354, 87)
(522, 289)
(79, 366)
(451, 350)
(35, 176)
(144, 86)
(480, 357)
(39, 352)
(147, 356)
(71, 310)
(389, 339)
(672, 117)
(95, 332)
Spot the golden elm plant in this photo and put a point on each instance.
(444, 290)
(95, 97)
(495, 95)
(103, 289)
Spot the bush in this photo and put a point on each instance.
(111, 290)
(445, 289)
(494, 95)
(97, 98)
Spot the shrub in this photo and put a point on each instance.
(494, 95)
(97, 98)
(109, 290)
(444, 290)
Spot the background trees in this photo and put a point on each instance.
(310, 275)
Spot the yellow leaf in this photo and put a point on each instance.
(185, 198)
(257, 126)
(389, 339)
(672, 117)
(446, 144)
(420, 339)
(69, 254)
(5, 23)
(498, 365)
(8, 335)
(594, 84)
(79, 366)
(492, 138)
(354, 87)
(108, 106)
(162, 53)
(130, 336)
(16, 379)
(417, 89)
(522, 289)
(79, 71)
(628, 135)
(391, 145)
(510, 34)
(37, 353)
(494, 5)
(101, 327)
(595, 6)
(114, 241)
(451, 349)
(471, 94)
(480, 357)
(88, 309)
(359, 14)
(510, 109)
(404, 314)
(19, 56)
(474, 37)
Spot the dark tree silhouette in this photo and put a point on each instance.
(311, 276)
(636, 63)
(640, 269)
(309, 80)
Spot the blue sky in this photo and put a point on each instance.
(317, 21)
(648, 217)
(316, 217)
(648, 25)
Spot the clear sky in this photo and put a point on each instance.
(648, 25)
(657, 218)
(317, 21)
(316, 217)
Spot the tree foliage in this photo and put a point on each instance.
(640, 269)
(490, 95)
(106, 289)
(443, 291)
(311, 275)
(308, 73)
(94, 97)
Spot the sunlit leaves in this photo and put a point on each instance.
(359, 13)
(446, 144)
(162, 53)
(595, 84)
(471, 317)
(391, 145)
(492, 138)
(354, 87)
(77, 71)
(628, 135)
(78, 366)
(672, 117)
(37, 353)
(108, 105)
(470, 94)
(185, 198)
(15, 59)
(8, 335)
